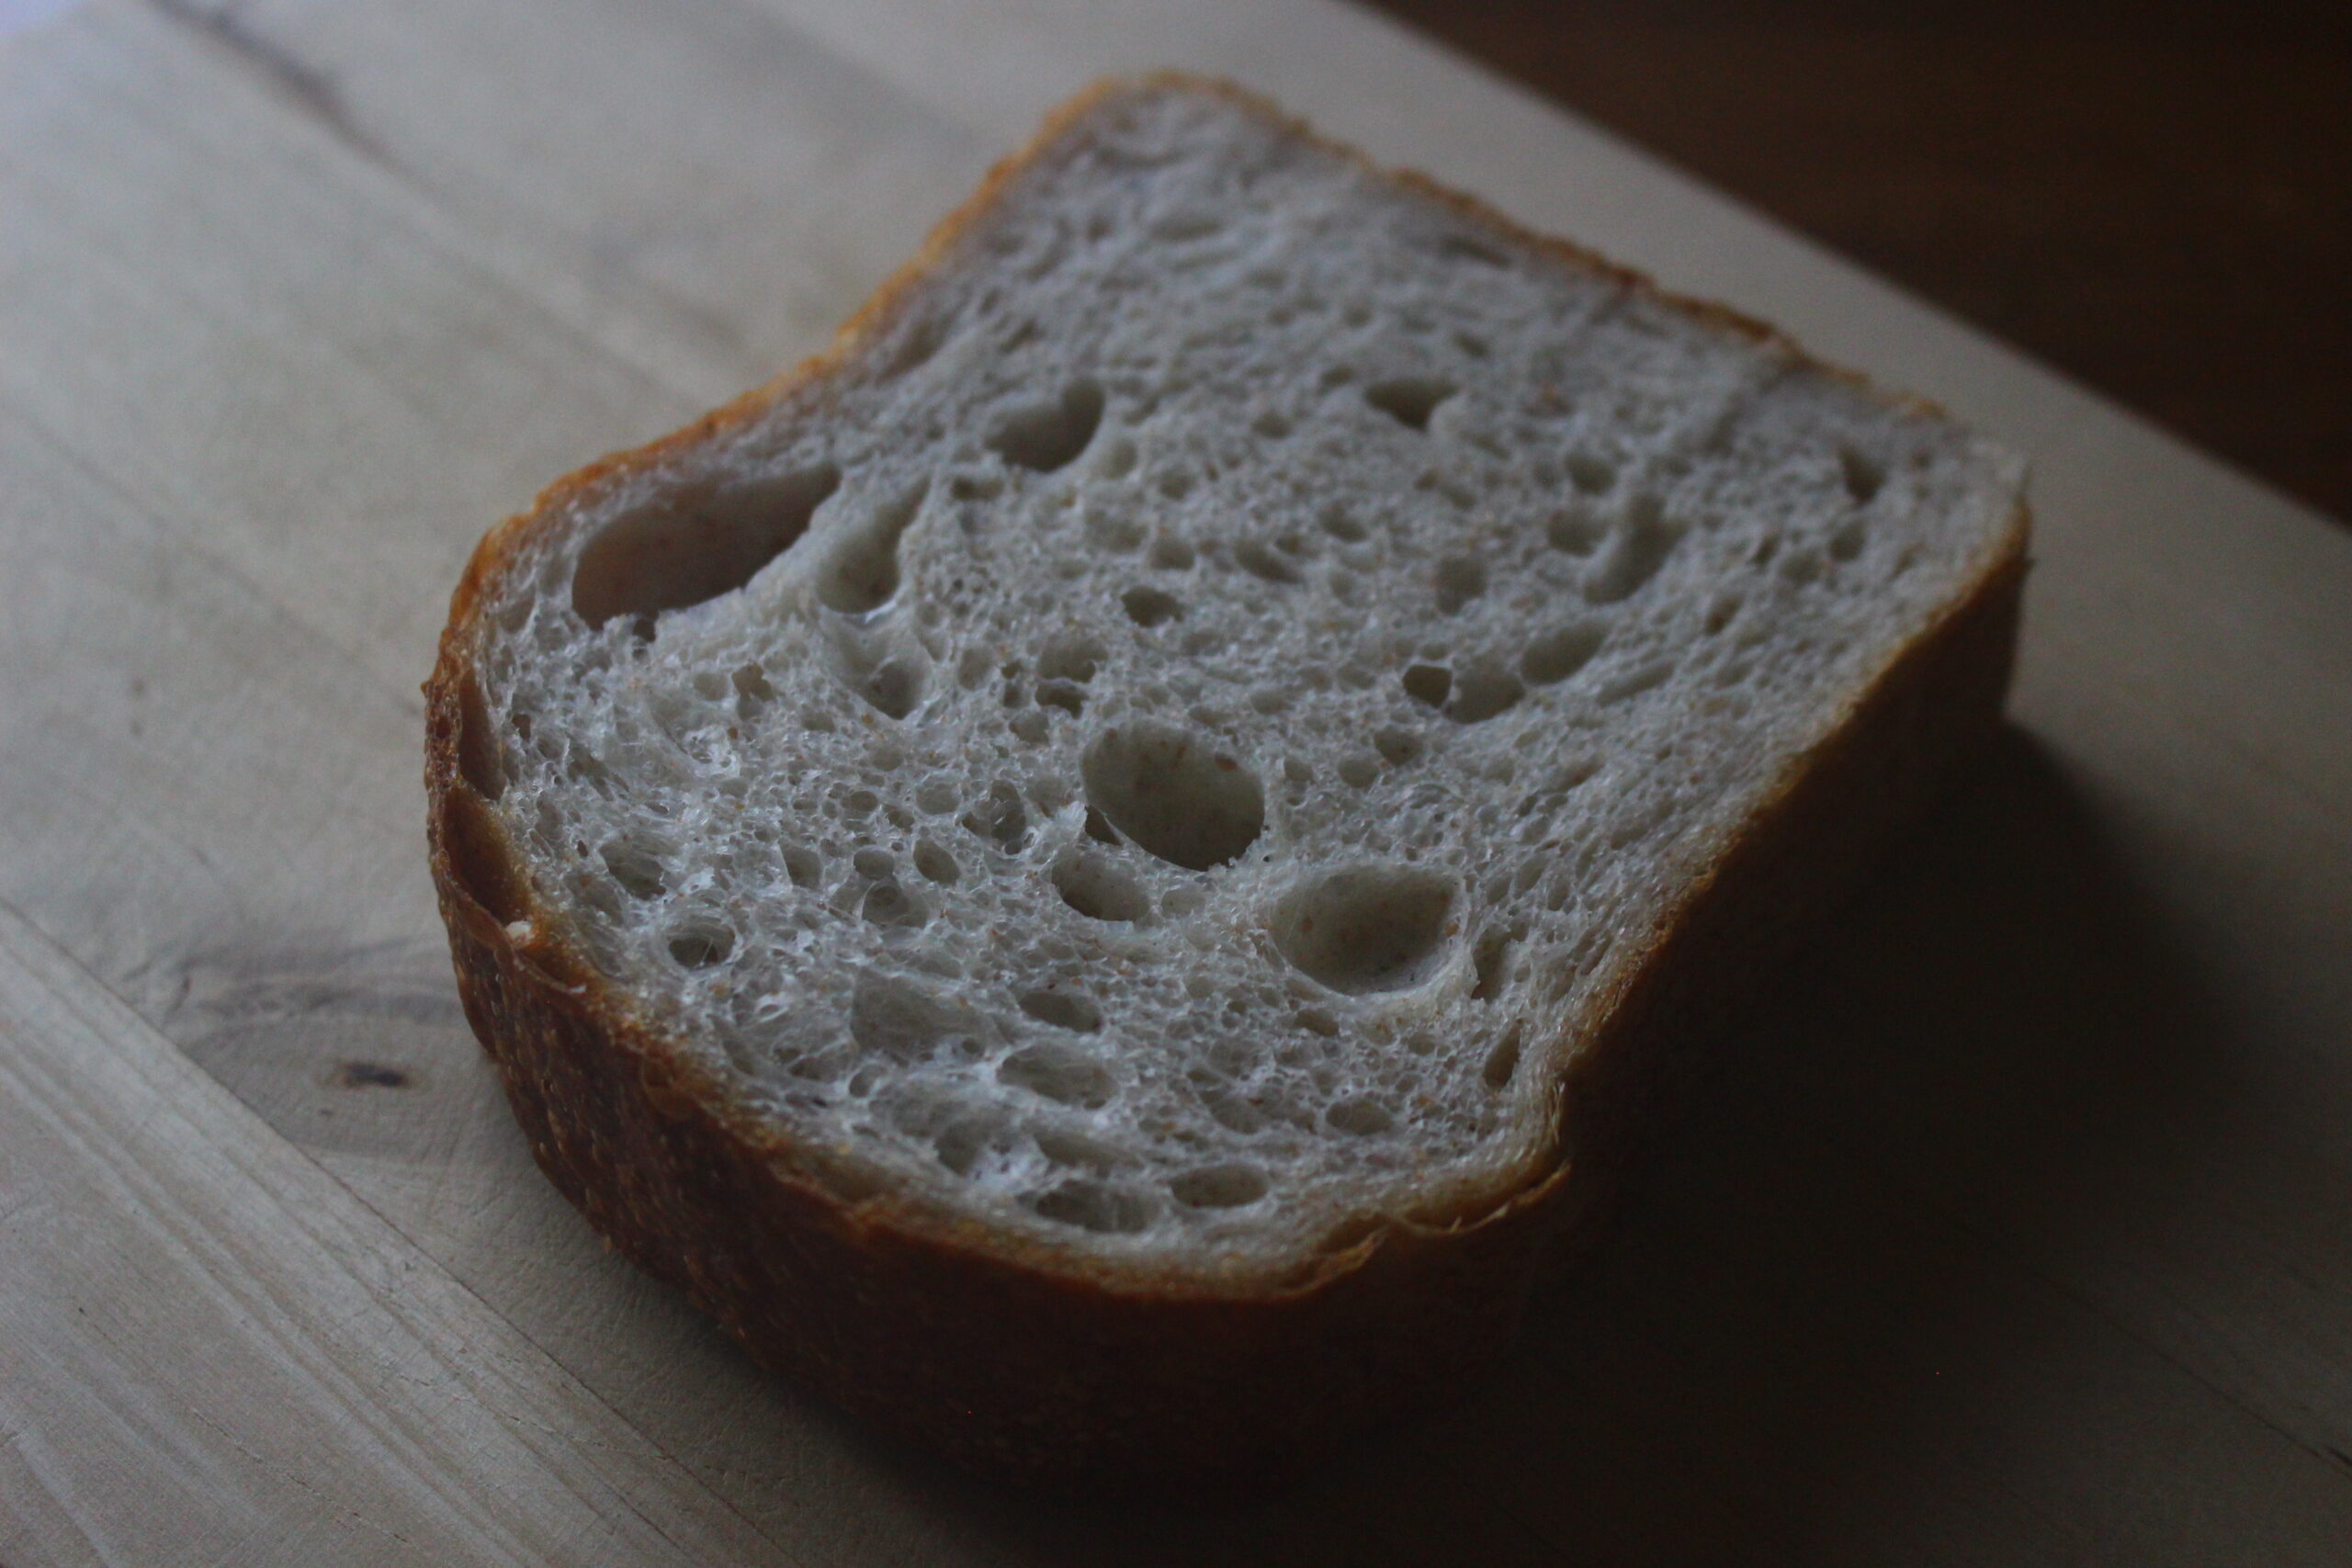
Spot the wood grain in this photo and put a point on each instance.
(209, 1339)
(2012, 1232)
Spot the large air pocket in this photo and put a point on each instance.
(705, 540)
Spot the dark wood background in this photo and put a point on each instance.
(2155, 197)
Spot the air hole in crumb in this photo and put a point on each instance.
(1487, 959)
(874, 863)
(1066, 695)
(478, 752)
(1637, 550)
(1066, 1147)
(1429, 684)
(936, 864)
(1558, 654)
(1635, 681)
(1863, 475)
(1232, 1113)
(921, 341)
(480, 866)
(1846, 542)
(1350, 1234)
(1046, 436)
(1457, 494)
(698, 944)
(1502, 1061)
(1000, 818)
(1063, 1009)
(705, 540)
(1720, 612)
(1176, 227)
(1058, 1072)
(1573, 533)
(1359, 1116)
(1091, 1206)
(1273, 426)
(1358, 772)
(887, 904)
(1397, 746)
(1366, 928)
(1261, 562)
(1483, 692)
(1409, 400)
(1070, 659)
(863, 572)
(637, 868)
(1338, 522)
(1314, 1020)
(1459, 581)
(892, 1018)
(1594, 475)
(1097, 889)
(751, 688)
(961, 1142)
(1169, 553)
(1176, 485)
(1118, 460)
(1219, 1187)
(1168, 793)
(892, 686)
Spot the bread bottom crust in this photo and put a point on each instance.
(1017, 1371)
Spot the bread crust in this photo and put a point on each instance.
(1063, 1369)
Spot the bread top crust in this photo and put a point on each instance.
(509, 905)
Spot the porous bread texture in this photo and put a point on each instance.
(1167, 750)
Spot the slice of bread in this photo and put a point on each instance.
(1099, 871)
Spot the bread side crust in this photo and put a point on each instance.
(1017, 1357)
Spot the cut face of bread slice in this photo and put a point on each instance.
(1163, 764)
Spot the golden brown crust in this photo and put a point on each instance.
(1015, 1357)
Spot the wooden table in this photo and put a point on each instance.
(2017, 1230)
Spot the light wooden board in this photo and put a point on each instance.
(2019, 1229)
(216, 1355)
